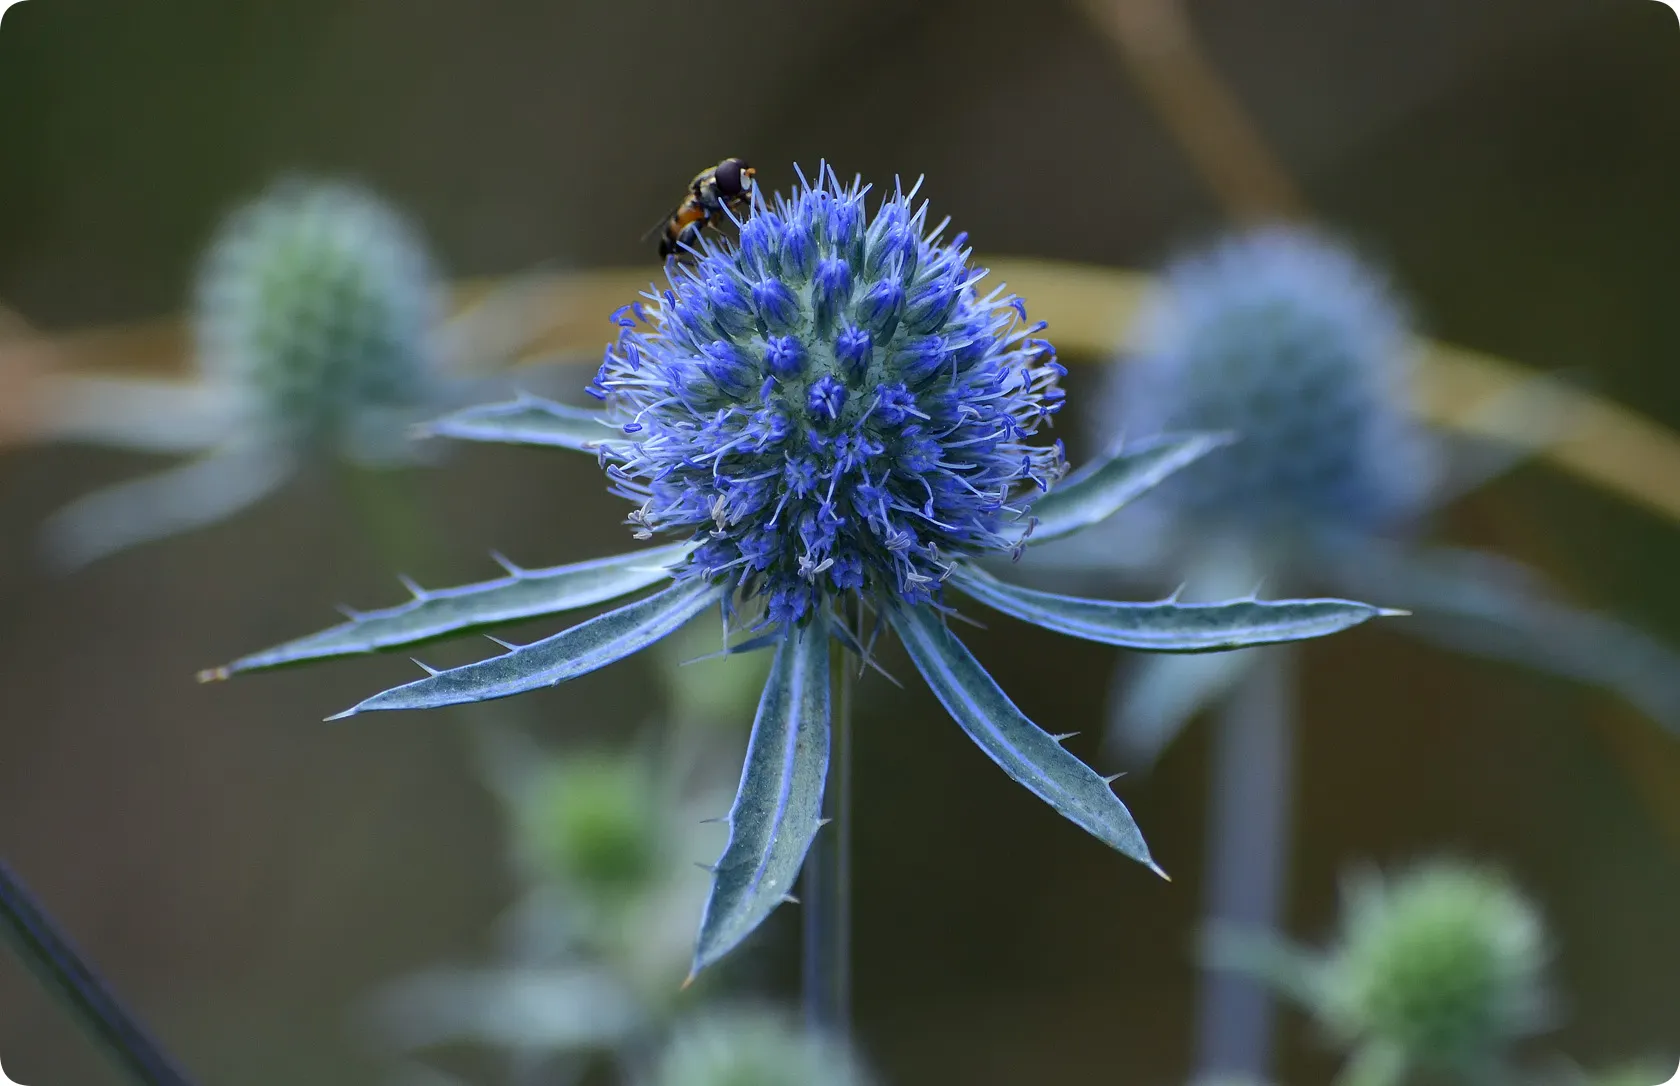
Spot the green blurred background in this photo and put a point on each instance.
(246, 874)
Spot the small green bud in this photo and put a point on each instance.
(1443, 965)
(596, 824)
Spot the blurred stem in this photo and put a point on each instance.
(1160, 49)
(56, 962)
(390, 516)
(826, 900)
(1248, 859)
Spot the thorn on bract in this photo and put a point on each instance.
(214, 674)
(427, 668)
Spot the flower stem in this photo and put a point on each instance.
(1247, 859)
(826, 900)
(48, 952)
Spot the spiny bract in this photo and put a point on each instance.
(317, 302)
(831, 405)
(1292, 342)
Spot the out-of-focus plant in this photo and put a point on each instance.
(1438, 971)
(1293, 342)
(319, 333)
(1290, 340)
(835, 422)
(592, 953)
(744, 1046)
(604, 845)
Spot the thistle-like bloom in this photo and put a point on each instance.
(315, 320)
(1292, 341)
(1302, 349)
(833, 419)
(1440, 969)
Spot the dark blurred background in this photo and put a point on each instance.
(246, 873)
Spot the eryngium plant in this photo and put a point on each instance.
(833, 421)
(1290, 339)
(315, 323)
(1439, 970)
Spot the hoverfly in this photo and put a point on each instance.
(726, 185)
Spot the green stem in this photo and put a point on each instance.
(49, 952)
(826, 897)
(1247, 860)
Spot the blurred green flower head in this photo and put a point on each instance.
(596, 824)
(318, 302)
(1443, 964)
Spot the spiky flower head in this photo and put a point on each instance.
(317, 303)
(831, 404)
(1443, 965)
(1294, 344)
(753, 1048)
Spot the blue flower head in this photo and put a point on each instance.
(832, 405)
(1290, 342)
(833, 421)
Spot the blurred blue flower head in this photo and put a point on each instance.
(832, 404)
(317, 302)
(1290, 341)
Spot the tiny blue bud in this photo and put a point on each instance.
(920, 358)
(833, 291)
(853, 351)
(760, 242)
(930, 304)
(887, 250)
(778, 307)
(725, 365)
(894, 404)
(879, 307)
(799, 252)
(847, 572)
(730, 310)
(845, 224)
(826, 398)
(785, 356)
